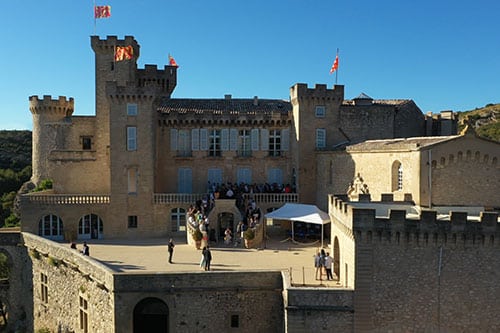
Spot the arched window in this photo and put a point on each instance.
(90, 226)
(178, 219)
(151, 315)
(397, 176)
(51, 226)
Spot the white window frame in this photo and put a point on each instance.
(245, 143)
(275, 142)
(320, 111)
(214, 146)
(131, 138)
(131, 109)
(320, 138)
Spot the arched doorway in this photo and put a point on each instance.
(151, 315)
(224, 220)
(51, 227)
(90, 226)
(336, 258)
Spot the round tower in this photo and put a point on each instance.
(48, 115)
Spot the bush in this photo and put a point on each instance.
(197, 235)
(45, 184)
(249, 234)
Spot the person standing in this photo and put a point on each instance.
(328, 266)
(86, 250)
(171, 246)
(208, 258)
(317, 265)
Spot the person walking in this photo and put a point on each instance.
(171, 246)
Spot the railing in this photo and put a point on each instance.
(66, 199)
(166, 198)
(272, 197)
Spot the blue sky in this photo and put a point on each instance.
(443, 54)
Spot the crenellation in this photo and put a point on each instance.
(47, 104)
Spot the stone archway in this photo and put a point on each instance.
(223, 207)
(336, 257)
(151, 315)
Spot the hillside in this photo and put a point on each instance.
(485, 121)
(15, 150)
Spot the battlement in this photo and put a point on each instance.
(47, 104)
(301, 91)
(369, 221)
(107, 45)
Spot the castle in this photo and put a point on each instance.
(134, 168)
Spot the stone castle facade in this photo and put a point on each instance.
(134, 168)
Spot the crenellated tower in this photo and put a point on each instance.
(315, 111)
(51, 118)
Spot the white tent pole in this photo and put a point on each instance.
(293, 234)
(322, 236)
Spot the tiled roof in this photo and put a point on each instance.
(249, 105)
(399, 102)
(415, 143)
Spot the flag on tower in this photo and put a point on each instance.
(123, 53)
(171, 61)
(102, 11)
(335, 65)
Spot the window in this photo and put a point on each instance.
(320, 111)
(184, 143)
(400, 178)
(131, 109)
(214, 176)
(51, 226)
(397, 176)
(245, 144)
(44, 288)
(86, 142)
(244, 175)
(132, 221)
(178, 218)
(235, 321)
(90, 226)
(132, 180)
(131, 138)
(275, 176)
(84, 315)
(214, 143)
(275, 142)
(320, 138)
(184, 180)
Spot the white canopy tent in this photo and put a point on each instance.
(301, 212)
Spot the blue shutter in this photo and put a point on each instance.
(195, 139)
(224, 140)
(254, 133)
(264, 139)
(233, 139)
(285, 139)
(173, 139)
(203, 139)
(185, 180)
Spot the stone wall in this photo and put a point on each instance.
(69, 277)
(317, 309)
(424, 275)
(205, 302)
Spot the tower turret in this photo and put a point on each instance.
(50, 117)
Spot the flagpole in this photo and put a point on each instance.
(337, 71)
(95, 19)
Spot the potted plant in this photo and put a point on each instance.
(197, 236)
(249, 235)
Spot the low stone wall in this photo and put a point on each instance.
(317, 309)
(205, 301)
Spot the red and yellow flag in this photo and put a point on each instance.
(171, 61)
(124, 53)
(102, 11)
(335, 65)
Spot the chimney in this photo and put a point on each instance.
(256, 100)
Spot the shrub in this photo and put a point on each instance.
(249, 234)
